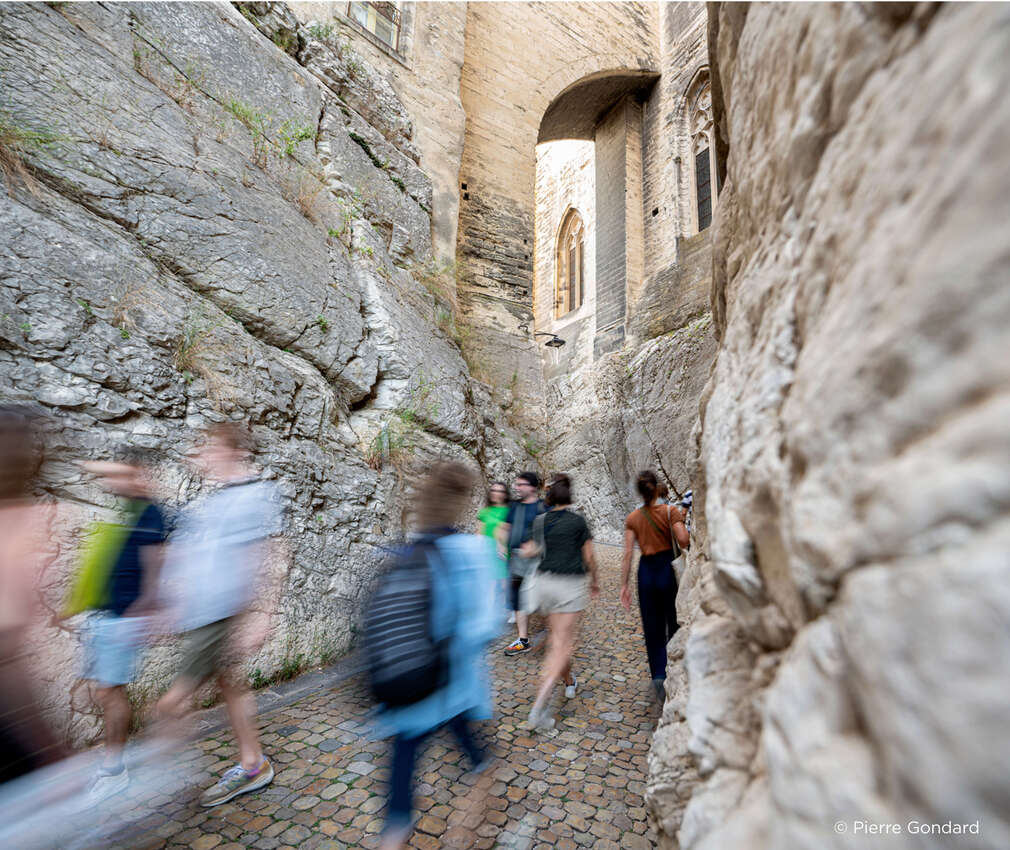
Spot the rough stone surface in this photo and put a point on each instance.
(852, 520)
(633, 410)
(203, 238)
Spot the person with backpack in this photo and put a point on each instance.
(120, 568)
(516, 530)
(560, 587)
(426, 630)
(660, 534)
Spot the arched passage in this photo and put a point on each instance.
(505, 93)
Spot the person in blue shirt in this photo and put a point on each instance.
(463, 613)
(116, 632)
(516, 530)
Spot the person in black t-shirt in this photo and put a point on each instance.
(562, 586)
(116, 631)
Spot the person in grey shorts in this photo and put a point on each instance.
(562, 586)
(215, 562)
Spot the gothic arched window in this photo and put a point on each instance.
(569, 290)
(699, 118)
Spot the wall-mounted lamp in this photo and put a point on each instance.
(554, 342)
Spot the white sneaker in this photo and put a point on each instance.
(512, 618)
(107, 785)
(570, 689)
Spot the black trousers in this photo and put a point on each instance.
(657, 602)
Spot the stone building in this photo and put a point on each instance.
(772, 238)
(609, 152)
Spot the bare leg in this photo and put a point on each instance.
(241, 712)
(116, 708)
(559, 654)
(523, 624)
(173, 707)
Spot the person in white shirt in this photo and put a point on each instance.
(215, 563)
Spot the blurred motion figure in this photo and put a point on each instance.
(216, 564)
(450, 613)
(26, 742)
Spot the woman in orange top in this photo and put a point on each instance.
(658, 530)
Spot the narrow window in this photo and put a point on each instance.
(380, 19)
(569, 275)
(704, 184)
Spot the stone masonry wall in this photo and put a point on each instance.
(847, 652)
(505, 92)
(566, 179)
(217, 217)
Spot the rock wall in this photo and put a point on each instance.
(425, 73)
(847, 656)
(211, 215)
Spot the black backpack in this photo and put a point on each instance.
(405, 662)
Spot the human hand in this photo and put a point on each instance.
(594, 589)
(626, 597)
(529, 549)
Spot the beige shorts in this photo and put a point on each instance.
(553, 593)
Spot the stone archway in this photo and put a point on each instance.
(505, 94)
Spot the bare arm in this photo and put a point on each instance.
(589, 559)
(501, 533)
(151, 560)
(629, 550)
(682, 534)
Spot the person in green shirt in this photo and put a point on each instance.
(490, 517)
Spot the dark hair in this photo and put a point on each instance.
(559, 490)
(530, 478)
(442, 495)
(233, 435)
(138, 456)
(491, 487)
(20, 449)
(647, 485)
(662, 491)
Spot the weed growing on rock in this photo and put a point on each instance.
(26, 328)
(321, 32)
(395, 442)
(290, 136)
(258, 123)
(124, 333)
(324, 325)
(17, 142)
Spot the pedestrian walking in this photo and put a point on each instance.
(216, 560)
(453, 577)
(120, 569)
(516, 530)
(490, 517)
(560, 587)
(659, 532)
(26, 741)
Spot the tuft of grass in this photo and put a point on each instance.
(17, 142)
(396, 440)
(258, 123)
(324, 325)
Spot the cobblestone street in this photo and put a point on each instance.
(579, 785)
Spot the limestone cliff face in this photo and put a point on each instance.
(847, 657)
(214, 215)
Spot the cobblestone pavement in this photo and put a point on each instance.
(579, 785)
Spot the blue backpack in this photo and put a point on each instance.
(404, 660)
